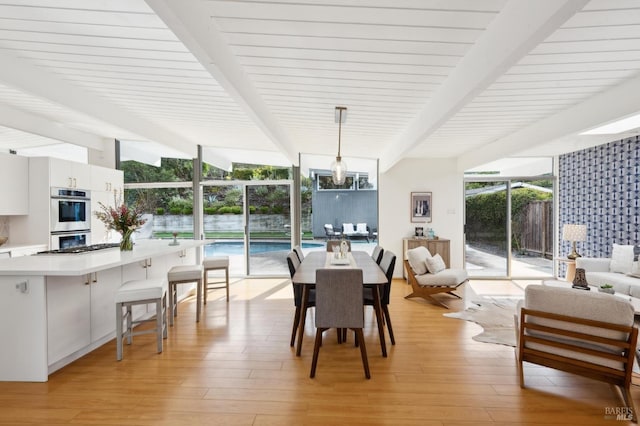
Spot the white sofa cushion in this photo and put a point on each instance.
(435, 264)
(347, 228)
(578, 303)
(448, 277)
(417, 259)
(621, 259)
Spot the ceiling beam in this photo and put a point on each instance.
(34, 80)
(191, 22)
(518, 28)
(599, 109)
(30, 123)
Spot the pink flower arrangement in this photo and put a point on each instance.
(122, 218)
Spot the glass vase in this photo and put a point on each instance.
(126, 244)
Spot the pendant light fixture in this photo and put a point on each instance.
(339, 167)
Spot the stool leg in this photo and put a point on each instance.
(164, 315)
(226, 276)
(118, 331)
(172, 288)
(198, 298)
(159, 322)
(205, 285)
(129, 324)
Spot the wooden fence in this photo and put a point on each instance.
(534, 228)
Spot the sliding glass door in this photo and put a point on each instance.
(509, 228)
(268, 231)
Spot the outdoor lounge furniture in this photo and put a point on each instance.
(360, 231)
(586, 333)
(330, 233)
(427, 280)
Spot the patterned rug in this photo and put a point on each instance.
(495, 316)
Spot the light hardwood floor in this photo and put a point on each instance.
(236, 367)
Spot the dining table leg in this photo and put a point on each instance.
(377, 307)
(303, 318)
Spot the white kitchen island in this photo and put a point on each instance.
(56, 308)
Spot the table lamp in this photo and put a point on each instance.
(573, 233)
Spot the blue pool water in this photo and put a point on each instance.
(221, 248)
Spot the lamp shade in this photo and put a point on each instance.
(571, 232)
(339, 171)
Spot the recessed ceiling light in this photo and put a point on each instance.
(619, 126)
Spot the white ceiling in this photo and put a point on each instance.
(472, 80)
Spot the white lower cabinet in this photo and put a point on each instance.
(104, 285)
(68, 316)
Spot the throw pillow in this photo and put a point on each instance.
(435, 264)
(416, 258)
(621, 259)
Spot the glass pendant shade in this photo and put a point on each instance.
(339, 167)
(338, 171)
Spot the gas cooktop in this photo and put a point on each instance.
(81, 249)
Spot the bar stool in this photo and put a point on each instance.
(214, 263)
(183, 274)
(140, 292)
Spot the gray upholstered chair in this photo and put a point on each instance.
(339, 304)
(586, 333)
(293, 262)
(387, 264)
(298, 251)
(377, 253)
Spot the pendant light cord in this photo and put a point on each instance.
(339, 134)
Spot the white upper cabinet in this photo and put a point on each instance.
(69, 174)
(14, 185)
(107, 180)
(106, 186)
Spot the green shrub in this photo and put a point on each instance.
(277, 209)
(252, 209)
(263, 209)
(175, 210)
(159, 211)
(225, 210)
(210, 210)
(187, 210)
(236, 210)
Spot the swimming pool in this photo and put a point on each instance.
(221, 248)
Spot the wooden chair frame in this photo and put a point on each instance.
(427, 292)
(557, 338)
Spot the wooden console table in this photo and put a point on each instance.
(439, 246)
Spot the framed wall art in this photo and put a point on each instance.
(421, 206)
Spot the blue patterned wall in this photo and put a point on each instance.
(600, 187)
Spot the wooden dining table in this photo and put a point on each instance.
(372, 276)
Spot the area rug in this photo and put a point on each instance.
(495, 316)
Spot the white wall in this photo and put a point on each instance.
(441, 178)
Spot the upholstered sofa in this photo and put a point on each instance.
(621, 270)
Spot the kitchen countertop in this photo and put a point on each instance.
(86, 263)
(9, 247)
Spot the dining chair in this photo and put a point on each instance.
(339, 304)
(387, 264)
(293, 262)
(298, 251)
(376, 255)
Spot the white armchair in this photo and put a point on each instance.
(586, 333)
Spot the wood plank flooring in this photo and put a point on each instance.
(236, 368)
